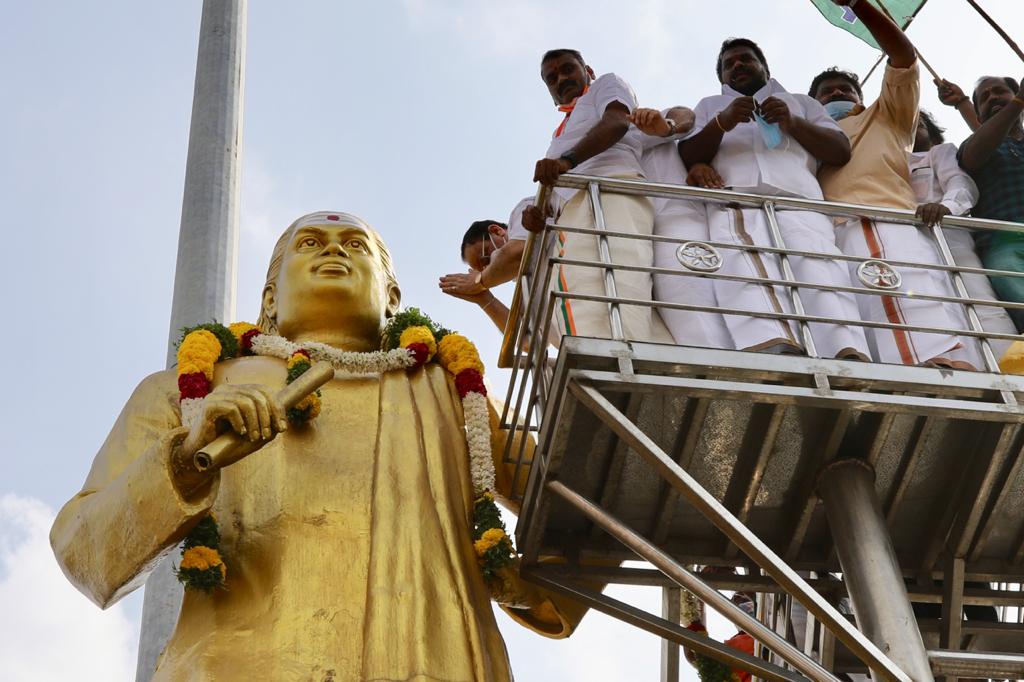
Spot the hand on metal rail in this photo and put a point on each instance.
(930, 214)
(534, 218)
(703, 175)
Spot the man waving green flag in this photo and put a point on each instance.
(902, 12)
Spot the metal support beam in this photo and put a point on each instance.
(671, 598)
(664, 629)
(962, 664)
(684, 578)
(870, 568)
(749, 543)
(951, 634)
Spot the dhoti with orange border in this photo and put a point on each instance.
(889, 241)
(622, 213)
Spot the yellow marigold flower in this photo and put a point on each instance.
(419, 334)
(297, 358)
(238, 329)
(202, 558)
(451, 347)
(198, 352)
(489, 539)
(466, 361)
(313, 402)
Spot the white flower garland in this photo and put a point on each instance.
(348, 362)
(478, 440)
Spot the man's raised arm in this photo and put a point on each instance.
(977, 149)
(890, 37)
(702, 147)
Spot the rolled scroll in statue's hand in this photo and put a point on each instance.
(229, 447)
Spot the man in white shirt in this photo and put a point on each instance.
(941, 188)
(762, 139)
(592, 140)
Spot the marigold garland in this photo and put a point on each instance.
(411, 339)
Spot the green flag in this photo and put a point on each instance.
(902, 12)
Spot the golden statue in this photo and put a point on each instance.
(347, 541)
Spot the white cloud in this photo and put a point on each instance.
(48, 630)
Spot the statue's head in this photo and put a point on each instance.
(330, 278)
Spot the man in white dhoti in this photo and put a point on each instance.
(592, 140)
(774, 152)
(941, 188)
(678, 219)
(878, 175)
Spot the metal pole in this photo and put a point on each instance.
(671, 611)
(870, 569)
(787, 274)
(615, 316)
(204, 280)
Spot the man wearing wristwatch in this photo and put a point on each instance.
(594, 138)
(762, 139)
(994, 157)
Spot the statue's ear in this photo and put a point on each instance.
(394, 300)
(270, 302)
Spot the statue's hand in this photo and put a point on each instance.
(247, 409)
(509, 589)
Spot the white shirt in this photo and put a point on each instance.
(938, 179)
(746, 164)
(662, 164)
(623, 157)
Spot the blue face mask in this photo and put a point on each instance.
(770, 132)
(839, 109)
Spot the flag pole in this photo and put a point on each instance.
(904, 28)
(998, 28)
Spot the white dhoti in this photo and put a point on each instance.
(686, 220)
(993, 319)
(591, 318)
(801, 230)
(872, 239)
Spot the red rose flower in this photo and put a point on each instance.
(420, 353)
(246, 341)
(470, 381)
(193, 385)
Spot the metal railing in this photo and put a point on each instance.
(525, 347)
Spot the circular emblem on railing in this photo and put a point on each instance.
(699, 256)
(878, 274)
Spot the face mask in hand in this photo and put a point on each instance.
(770, 132)
(839, 109)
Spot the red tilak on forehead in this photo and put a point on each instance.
(333, 217)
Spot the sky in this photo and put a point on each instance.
(418, 116)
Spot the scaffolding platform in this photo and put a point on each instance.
(833, 486)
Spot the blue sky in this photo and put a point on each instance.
(418, 116)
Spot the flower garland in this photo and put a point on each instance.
(708, 669)
(410, 340)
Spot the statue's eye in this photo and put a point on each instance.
(309, 242)
(356, 244)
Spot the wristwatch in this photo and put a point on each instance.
(479, 279)
(570, 156)
(671, 127)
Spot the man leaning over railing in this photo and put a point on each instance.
(592, 140)
(762, 139)
(941, 188)
(994, 156)
(878, 175)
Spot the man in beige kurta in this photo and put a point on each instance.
(347, 540)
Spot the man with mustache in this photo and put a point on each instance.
(761, 138)
(994, 156)
(878, 175)
(592, 140)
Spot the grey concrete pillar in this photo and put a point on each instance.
(204, 281)
(870, 569)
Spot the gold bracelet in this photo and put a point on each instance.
(720, 126)
(488, 304)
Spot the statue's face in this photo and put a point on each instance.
(329, 273)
